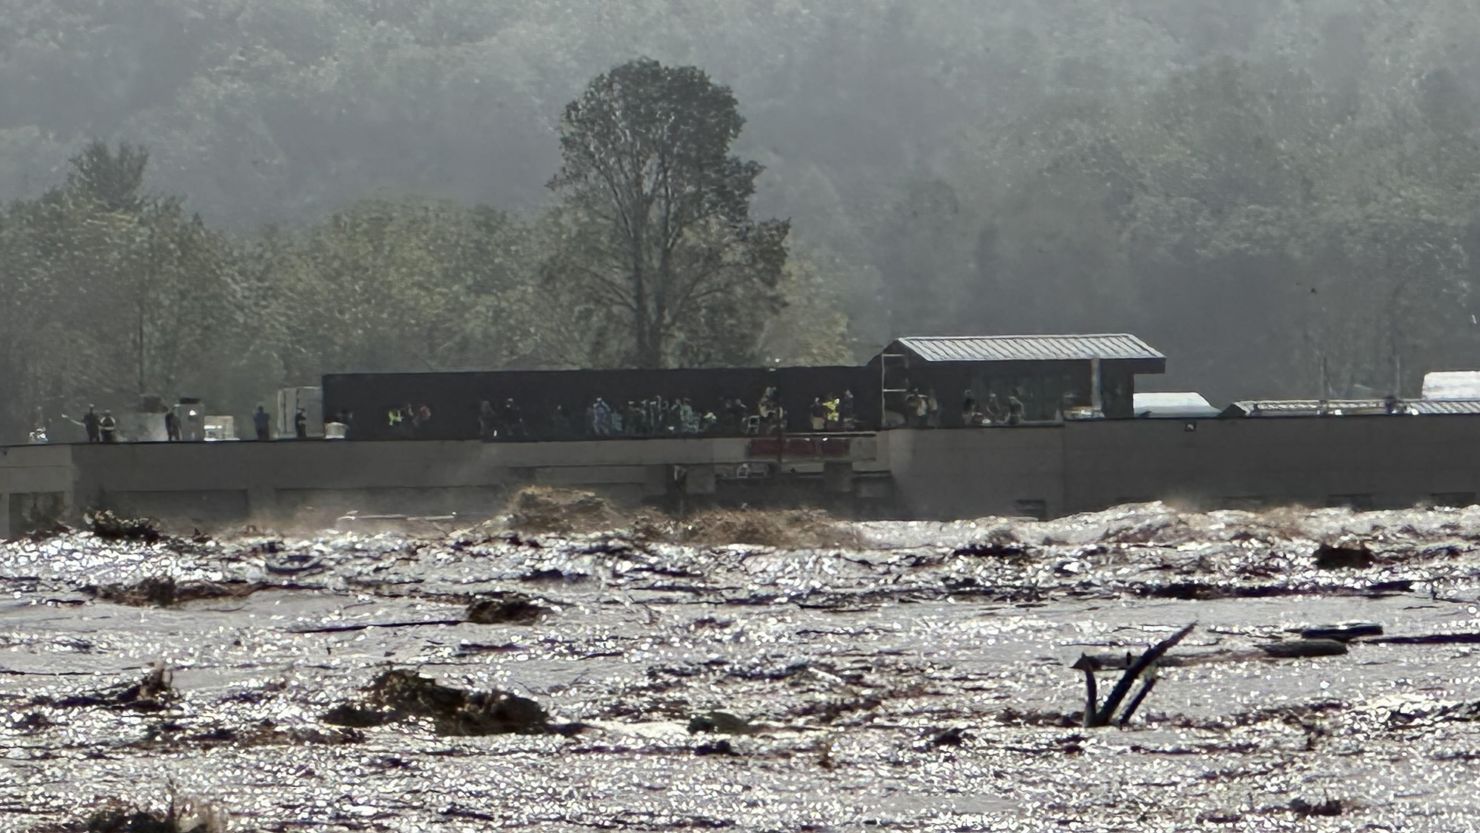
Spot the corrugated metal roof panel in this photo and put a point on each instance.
(1356, 407)
(1446, 406)
(1029, 348)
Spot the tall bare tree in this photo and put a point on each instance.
(659, 215)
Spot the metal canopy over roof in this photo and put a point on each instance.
(1113, 346)
(1452, 384)
(1179, 404)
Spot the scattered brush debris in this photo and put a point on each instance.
(1329, 807)
(825, 755)
(720, 723)
(183, 815)
(830, 710)
(999, 543)
(554, 574)
(104, 524)
(47, 531)
(31, 723)
(164, 591)
(952, 737)
(506, 609)
(1037, 718)
(155, 591)
(265, 733)
(400, 695)
(1396, 587)
(154, 692)
(1344, 557)
(1460, 712)
(292, 564)
(718, 747)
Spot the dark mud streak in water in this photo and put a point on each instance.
(919, 682)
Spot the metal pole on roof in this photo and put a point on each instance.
(885, 391)
(1096, 401)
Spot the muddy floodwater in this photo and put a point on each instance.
(916, 679)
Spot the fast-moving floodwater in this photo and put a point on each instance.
(918, 681)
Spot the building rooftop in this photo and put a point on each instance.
(1351, 407)
(1027, 348)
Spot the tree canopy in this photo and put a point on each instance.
(1279, 194)
(659, 215)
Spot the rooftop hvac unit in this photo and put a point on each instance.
(219, 428)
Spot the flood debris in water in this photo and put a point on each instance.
(998, 543)
(1325, 807)
(953, 737)
(1344, 556)
(398, 695)
(1342, 633)
(1099, 715)
(165, 591)
(108, 526)
(506, 609)
(154, 692)
(1465, 638)
(263, 733)
(182, 815)
(720, 723)
(293, 564)
(717, 747)
(1305, 648)
(933, 653)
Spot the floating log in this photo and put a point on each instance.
(1120, 662)
(1342, 633)
(1428, 639)
(1301, 648)
(365, 626)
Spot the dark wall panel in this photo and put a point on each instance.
(454, 397)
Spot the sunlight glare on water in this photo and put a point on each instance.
(916, 679)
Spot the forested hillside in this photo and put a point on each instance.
(1262, 188)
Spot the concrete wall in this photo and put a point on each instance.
(1053, 470)
(214, 484)
(29, 474)
(1376, 462)
(968, 472)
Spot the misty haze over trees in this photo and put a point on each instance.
(1262, 188)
